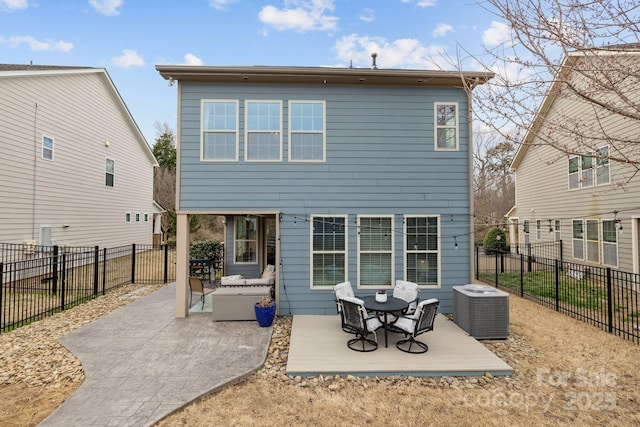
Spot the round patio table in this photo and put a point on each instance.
(391, 306)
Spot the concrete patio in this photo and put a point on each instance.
(319, 346)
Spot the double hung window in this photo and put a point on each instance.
(110, 172)
(593, 244)
(307, 138)
(375, 251)
(609, 243)
(263, 141)
(578, 239)
(219, 130)
(446, 128)
(328, 250)
(422, 250)
(47, 148)
(589, 170)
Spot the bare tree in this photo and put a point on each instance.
(494, 189)
(587, 52)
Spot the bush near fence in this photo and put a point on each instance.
(37, 281)
(602, 296)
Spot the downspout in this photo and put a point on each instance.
(469, 89)
(35, 163)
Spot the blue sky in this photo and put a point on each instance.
(130, 37)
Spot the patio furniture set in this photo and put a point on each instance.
(234, 297)
(364, 316)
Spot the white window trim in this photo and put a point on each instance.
(324, 130)
(438, 252)
(594, 168)
(436, 127)
(584, 238)
(247, 132)
(53, 146)
(202, 130)
(105, 173)
(235, 241)
(598, 241)
(557, 229)
(392, 251)
(312, 252)
(602, 243)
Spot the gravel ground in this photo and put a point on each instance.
(32, 356)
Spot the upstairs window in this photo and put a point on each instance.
(110, 172)
(329, 250)
(446, 128)
(602, 166)
(589, 170)
(307, 138)
(263, 141)
(47, 148)
(219, 130)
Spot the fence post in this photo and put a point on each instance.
(166, 263)
(529, 257)
(521, 275)
(96, 261)
(54, 272)
(609, 301)
(133, 263)
(64, 279)
(104, 270)
(497, 269)
(557, 278)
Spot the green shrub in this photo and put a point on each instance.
(495, 241)
(208, 249)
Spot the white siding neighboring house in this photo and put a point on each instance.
(75, 169)
(588, 201)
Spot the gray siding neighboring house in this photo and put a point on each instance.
(75, 169)
(329, 174)
(591, 204)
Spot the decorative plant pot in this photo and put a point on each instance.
(265, 314)
(381, 297)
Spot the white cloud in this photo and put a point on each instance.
(400, 53)
(40, 45)
(130, 58)
(367, 15)
(498, 33)
(300, 15)
(221, 4)
(11, 5)
(107, 7)
(421, 3)
(442, 29)
(191, 59)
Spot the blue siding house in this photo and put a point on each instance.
(330, 174)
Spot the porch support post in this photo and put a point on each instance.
(182, 263)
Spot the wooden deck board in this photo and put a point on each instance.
(319, 346)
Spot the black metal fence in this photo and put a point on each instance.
(40, 281)
(601, 296)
